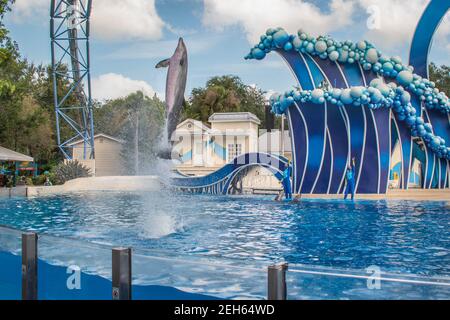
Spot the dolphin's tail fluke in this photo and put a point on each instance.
(163, 64)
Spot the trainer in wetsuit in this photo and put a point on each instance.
(287, 182)
(350, 178)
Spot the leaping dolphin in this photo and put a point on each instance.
(175, 85)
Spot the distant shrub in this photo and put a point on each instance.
(39, 180)
(10, 182)
(29, 181)
(68, 171)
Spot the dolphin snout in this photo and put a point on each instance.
(181, 44)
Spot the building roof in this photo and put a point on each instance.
(196, 123)
(98, 135)
(234, 117)
(9, 155)
(231, 132)
(198, 129)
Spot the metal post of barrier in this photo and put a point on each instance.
(29, 266)
(276, 276)
(121, 274)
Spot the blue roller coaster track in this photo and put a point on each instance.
(69, 32)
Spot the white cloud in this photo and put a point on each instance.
(165, 48)
(112, 86)
(23, 10)
(397, 21)
(269, 93)
(181, 32)
(124, 19)
(110, 20)
(442, 37)
(254, 17)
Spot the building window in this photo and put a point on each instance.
(234, 150)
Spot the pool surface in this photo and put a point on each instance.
(398, 236)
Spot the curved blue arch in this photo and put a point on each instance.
(357, 119)
(337, 126)
(219, 181)
(418, 58)
(423, 36)
(307, 166)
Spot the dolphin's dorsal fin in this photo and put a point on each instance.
(163, 64)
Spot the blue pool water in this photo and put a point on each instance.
(398, 236)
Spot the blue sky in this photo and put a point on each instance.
(131, 36)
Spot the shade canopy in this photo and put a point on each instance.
(9, 155)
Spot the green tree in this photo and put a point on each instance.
(135, 116)
(8, 52)
(26, 123)
(441, 76)
(225, 94)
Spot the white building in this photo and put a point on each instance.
(108, 159)
(204, 149)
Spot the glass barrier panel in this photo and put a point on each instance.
(10, 264)
(73, 270)
(306, 282)
(193, 278)
(76, 270)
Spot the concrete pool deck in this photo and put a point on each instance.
(153, 183)
(411, 194)
(119, 183)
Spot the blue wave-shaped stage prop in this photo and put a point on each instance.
(353, 101)
(220, 181)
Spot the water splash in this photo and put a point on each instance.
(157, 221)
(158, 225)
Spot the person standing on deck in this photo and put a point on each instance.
(350, 178)
(287, 182)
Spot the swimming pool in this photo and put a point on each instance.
(397, 236)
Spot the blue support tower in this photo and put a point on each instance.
(69, 32)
